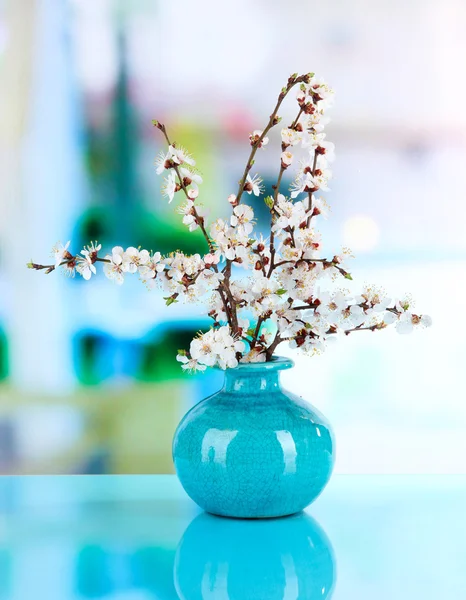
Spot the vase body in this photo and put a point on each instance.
(253, 450)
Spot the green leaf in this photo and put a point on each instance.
(170, 300)
(182, 352)
(280, 292)
(268, 201)
(348, 276)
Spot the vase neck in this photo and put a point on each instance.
(244, 383)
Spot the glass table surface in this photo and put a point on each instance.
(141, 538)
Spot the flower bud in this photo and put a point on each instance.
(211, 259)
(286, 159)
(255, 136)
(300, 96)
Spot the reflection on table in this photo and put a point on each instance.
(282, 559)
(141, 538)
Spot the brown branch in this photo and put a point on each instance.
(271, 349)
(309, 201)
(275, 197)
(199, 219)
(273, 120)
(224, 288)
(295, 122)
(304, 307)
(359, 328)
(260, 320)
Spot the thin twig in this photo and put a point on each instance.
(273, 120)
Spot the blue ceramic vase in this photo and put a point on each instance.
(253, 450)
(270, 559)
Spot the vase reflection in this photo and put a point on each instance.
(271, 559)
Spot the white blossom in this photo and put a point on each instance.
(242, 218)
(61, 253)
(115, 269)
(318, 143)
(253, 185)
(190, 176)
(85, 266)
(320, 207)
(290, 137)
(255, 136)
(180, 156)
(307, 182)
(190, 364)
(149, 269)
(189, 212)
(232, 243)
(291, 214)
(255, 355)
(162, 162)
(170, 186)
(286, 159)
(216, 347)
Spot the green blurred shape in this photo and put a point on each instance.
(158, 356)
(150, 232)
(4, 361)
(91, 351)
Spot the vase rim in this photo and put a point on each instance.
(277, 363)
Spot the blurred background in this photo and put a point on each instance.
(89, 381)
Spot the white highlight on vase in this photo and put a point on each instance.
(215, 582)
(289, 450)
(291, 591)
(215, 444)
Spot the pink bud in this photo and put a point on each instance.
(211, 259)
(193, 193)
(232, 199)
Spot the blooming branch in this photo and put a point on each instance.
(258, 292)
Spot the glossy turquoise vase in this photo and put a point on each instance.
(254, 450)
(271, 559)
